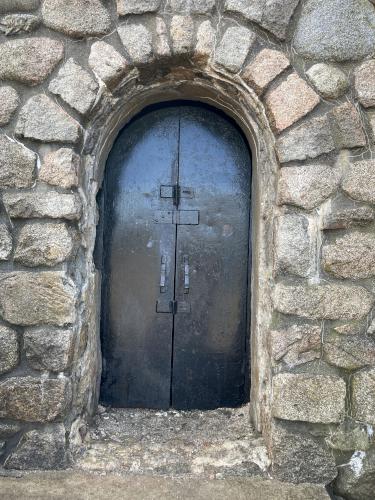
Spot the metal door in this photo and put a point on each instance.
(176, 255)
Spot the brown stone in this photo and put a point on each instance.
(363, 396)
(34, 400)
(17, 164)
(308, 397)
(49, 348)
(205, 41)
(347, 127)
(266, 66)
(37, 298)
(364, 83)
(9, 353)
(107, 63)
(296, 345)
(60, 168)
(359, 181)
(290, 101)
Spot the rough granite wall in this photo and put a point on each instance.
(71, 71)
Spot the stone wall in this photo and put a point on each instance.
(299, 78)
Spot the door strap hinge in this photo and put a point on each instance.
(176, 192)
(173, 307)
(179, 217)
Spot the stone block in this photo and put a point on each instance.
(192, 6)
(296, 345)
(9, 351)
(17, 24)
(6, 242)
(299, 457)
(32, 399)
(307, 186)
(182, 34)
(310, 139)
(44, 449)
(338, 30)
(328, 80)
(107, 63)
(49, 348)
(18, 5)
(43, 120)
(348, 351)
(293, 245)
(162, 48)
(125, 7)
(205, 41)
(344, 213)
(347, 127)
(364, 83)
(75, 86)
(290, 101)
(37, 298)
(60, 168)
(234, 48)
(29, 60)
(371, 119)
(9, 103)
(271, 15)
(308, 397)
(359, 181)
(356, 478)
(39, 204)
(76, 18)
(8, 430)
(265, 67)
(17, 164)
(350, 256)
(350, 436)
(137, 40)
(44, 244)
(363, 396)
(333, 301)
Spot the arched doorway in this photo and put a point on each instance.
(176, 216)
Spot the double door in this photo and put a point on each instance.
(176, 214)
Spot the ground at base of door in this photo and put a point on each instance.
(213, 444)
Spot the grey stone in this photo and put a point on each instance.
(162, 48)
(137, 41)
(350, 256)
(272, 15)
(293, 245)
(39, 204)
(49, 348)
(371, 119)
(60, 168)
(333, 301)
(307, 186)
(37, 298)
(290, 101)
(349, 351)
(192, 6)
(364, 83)
(205, 41)
(347, 127)
(125, 7)
(310, 139)
(6, 242)
(15, 24)
(9, 355)
(299, 457)
(10, 101)
(328, 80)
(338, 30)
(17, 164)
(107, 63)
(75, 86)
(350, 436)
(44, 244)
(359, 181)
(8, 430)
(308, 397)
(32, 399)
(76, 18)
(296, 345)
(29, 60)
(356, 478)
(43, 120)
(18, 5)
(234, 47)
(363, 396)
(344, 213)
(265, 67)
(40, 449)
(182, 33)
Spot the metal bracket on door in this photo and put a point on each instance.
(179, 217)
(176, 192)
(172, 307)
